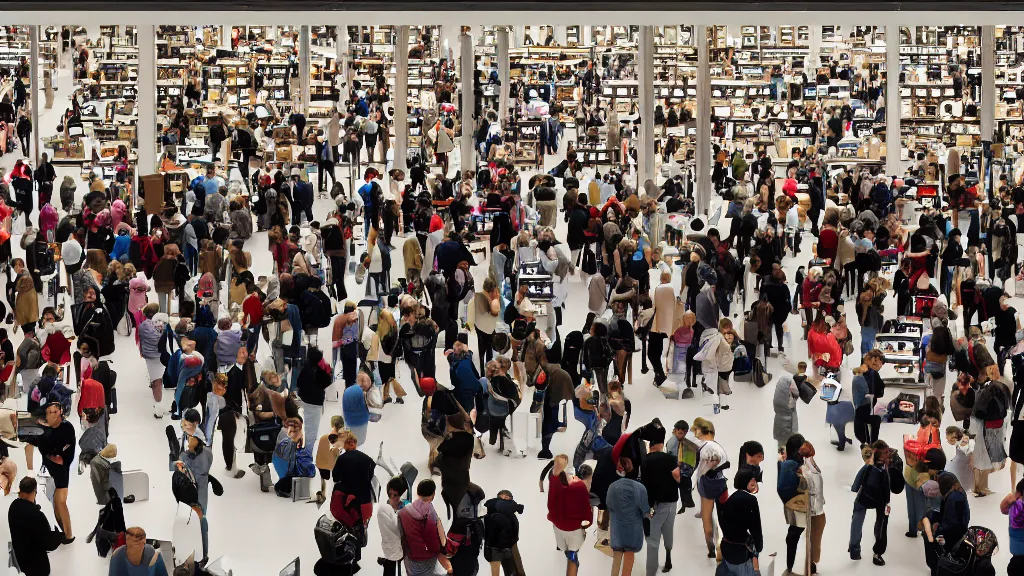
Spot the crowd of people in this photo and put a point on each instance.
(233, 346)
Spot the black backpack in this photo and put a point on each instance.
(589, 264)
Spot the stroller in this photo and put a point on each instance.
(261, 440)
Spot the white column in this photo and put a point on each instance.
(989, 96)
(893, 141)
(702, 191)
(401, 97)
(645, 73)
(586, 35)
(304, 76)
(503, 74)
(341, 45)
(35, 79)
(224, 41)
(467, 71)
(146, 126)
(519, 35)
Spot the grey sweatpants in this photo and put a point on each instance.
(661, 528)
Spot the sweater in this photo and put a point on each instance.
(740, 518)
(569, 506)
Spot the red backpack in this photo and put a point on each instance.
(421, 538)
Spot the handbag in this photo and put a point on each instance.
(799, 503)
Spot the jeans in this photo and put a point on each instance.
(867, 340)
(252, 340)
(485, 348)
(726, 569)
(661, 529)
(857, 528)
(311, 414)
(655, 346)
(191, 258)
(228, 427)
(349, 362)
(360, 433)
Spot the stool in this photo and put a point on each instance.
(300, 488)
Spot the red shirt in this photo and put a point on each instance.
(253, 310)
(568, 506)
(92, 395)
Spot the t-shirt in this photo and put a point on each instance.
(656, 473)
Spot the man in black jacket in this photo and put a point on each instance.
(31, 534)
(501, 533)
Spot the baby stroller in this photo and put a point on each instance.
(260, 441)
(971, 556)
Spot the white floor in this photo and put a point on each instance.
(260, 533)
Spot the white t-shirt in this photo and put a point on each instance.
(390, 538)
(711, 455)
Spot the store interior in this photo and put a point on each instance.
(122, 103)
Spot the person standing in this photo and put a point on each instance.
(58, 452)
(881, 476)
(711, 458)
(664, 315)
(423, 536)
(628, 504)
(387, 521)
(868, 387)
(501, 534)
(314, 379)
(32, 538)
(660, 474)
(740, 517)
(136, 557)
(354, 406)
(569, 511)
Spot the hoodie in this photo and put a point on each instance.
(501, 525)
(418, 524)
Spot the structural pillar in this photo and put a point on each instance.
(987, 110)
(467, 74)
(304, 75)
(561, 35)
(401, 98)
(645, 77)
(224, 36)
(146, 102)
(702, 184)
(341, 63)
(34, 101)
(893, 139)
(503, 74)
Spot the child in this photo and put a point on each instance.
(328, 449)
(801, 373)
(682, 339)
(960, 463)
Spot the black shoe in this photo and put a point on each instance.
(644, 369)
(545, 455)
(667, 568)
(877, 560)
(68, 540)
(282, 494)
(129, 499)
(399, 401)
(911, 534)
(854, 555)
(386, 401)
(681, 510)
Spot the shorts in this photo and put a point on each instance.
(325, 473)
(155, 368)
(570, 541)
(61, 474)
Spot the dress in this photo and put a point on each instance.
(960, 465)
(627, 502)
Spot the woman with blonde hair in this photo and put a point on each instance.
(382, 351)
(711, 483)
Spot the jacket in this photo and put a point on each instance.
(501, 525)
(418, 524)
(784, 402)
(32, 537)
(664, 309)
(717, 356)
(26, 303)
(707, 307)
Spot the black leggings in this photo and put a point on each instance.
(792, 541)
(392, 567)
(325, 169)
(228, 427)
(485, 348)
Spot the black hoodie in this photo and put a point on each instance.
(501, 525)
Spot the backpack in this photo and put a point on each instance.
(421, 538)
(589, 264)
(217, 133)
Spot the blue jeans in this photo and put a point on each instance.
(726, 569)
(867, 340)
(252, 340)
(311, 414)
(916, 508)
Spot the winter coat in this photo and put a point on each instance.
(26, 303)
(717, 353)
(784, 402)
(664, 309)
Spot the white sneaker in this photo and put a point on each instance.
(158, 410)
